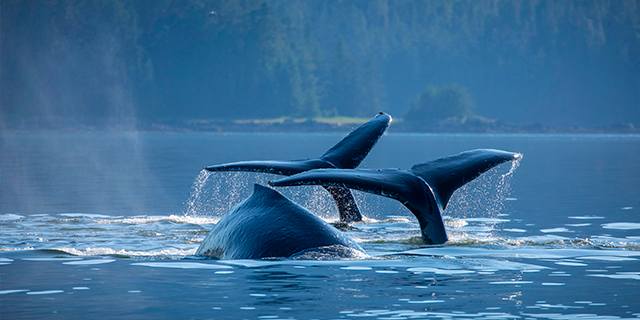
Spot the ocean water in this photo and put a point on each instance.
(105, 225)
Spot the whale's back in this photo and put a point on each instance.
(269, 225)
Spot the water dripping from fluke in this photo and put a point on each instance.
(192, 205)
(216, 193)
(484, 197)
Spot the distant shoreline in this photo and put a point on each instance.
(311, 126)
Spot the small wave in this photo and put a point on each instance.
(555, 230)
(387, 219)
(125, 253)
(586, 217)
(622, 226)
(330, 253)
(456, 223)
(182, 265)
(84, 215)
(10, 217)
(200, 220)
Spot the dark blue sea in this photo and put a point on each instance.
(103, 225)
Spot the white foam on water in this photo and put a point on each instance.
(12, 291)
(487, 220)
(522, 252)
(553, 306)
(515, 230)
(439, 271)
(170, 252)
(626, 208)
(257, 295)
(555, 230)
(455, 223)
(200, 220)
(181, 265)
(571, 264)
(89, 262)
(553, 284)
(80, 288)
(424, 301)
(607, 258)
(44, 292)
(511, 282)
(386, 271)
(51, 259)
(84, 215)
(543, 239)
(10, 217)
(5, 260)
(586, 217)
(357, 268)
(616, 276)
(248, 263)
(578, 224)
(621, 226)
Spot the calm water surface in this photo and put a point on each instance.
(106, 224)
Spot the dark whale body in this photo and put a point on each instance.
(425, 189)
(346, 154)
(268, 225)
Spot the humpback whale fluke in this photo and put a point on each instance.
(268, 225)
(346, 154)
(425, 189)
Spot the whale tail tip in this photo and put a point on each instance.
(448, 174)
(349, 152)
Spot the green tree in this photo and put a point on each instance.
(438, 103)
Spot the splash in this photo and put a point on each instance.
(216, 194)
(484, 197)
(318, 201)
(192, 205)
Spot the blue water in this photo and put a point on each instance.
(105, 225)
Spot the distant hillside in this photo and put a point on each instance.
(133, 63)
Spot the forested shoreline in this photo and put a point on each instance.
(521, 64)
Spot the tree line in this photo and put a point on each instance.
(93, 61)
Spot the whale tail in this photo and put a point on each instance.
(352, 149)
(348, 153)
(446, 175)
(424, 190)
